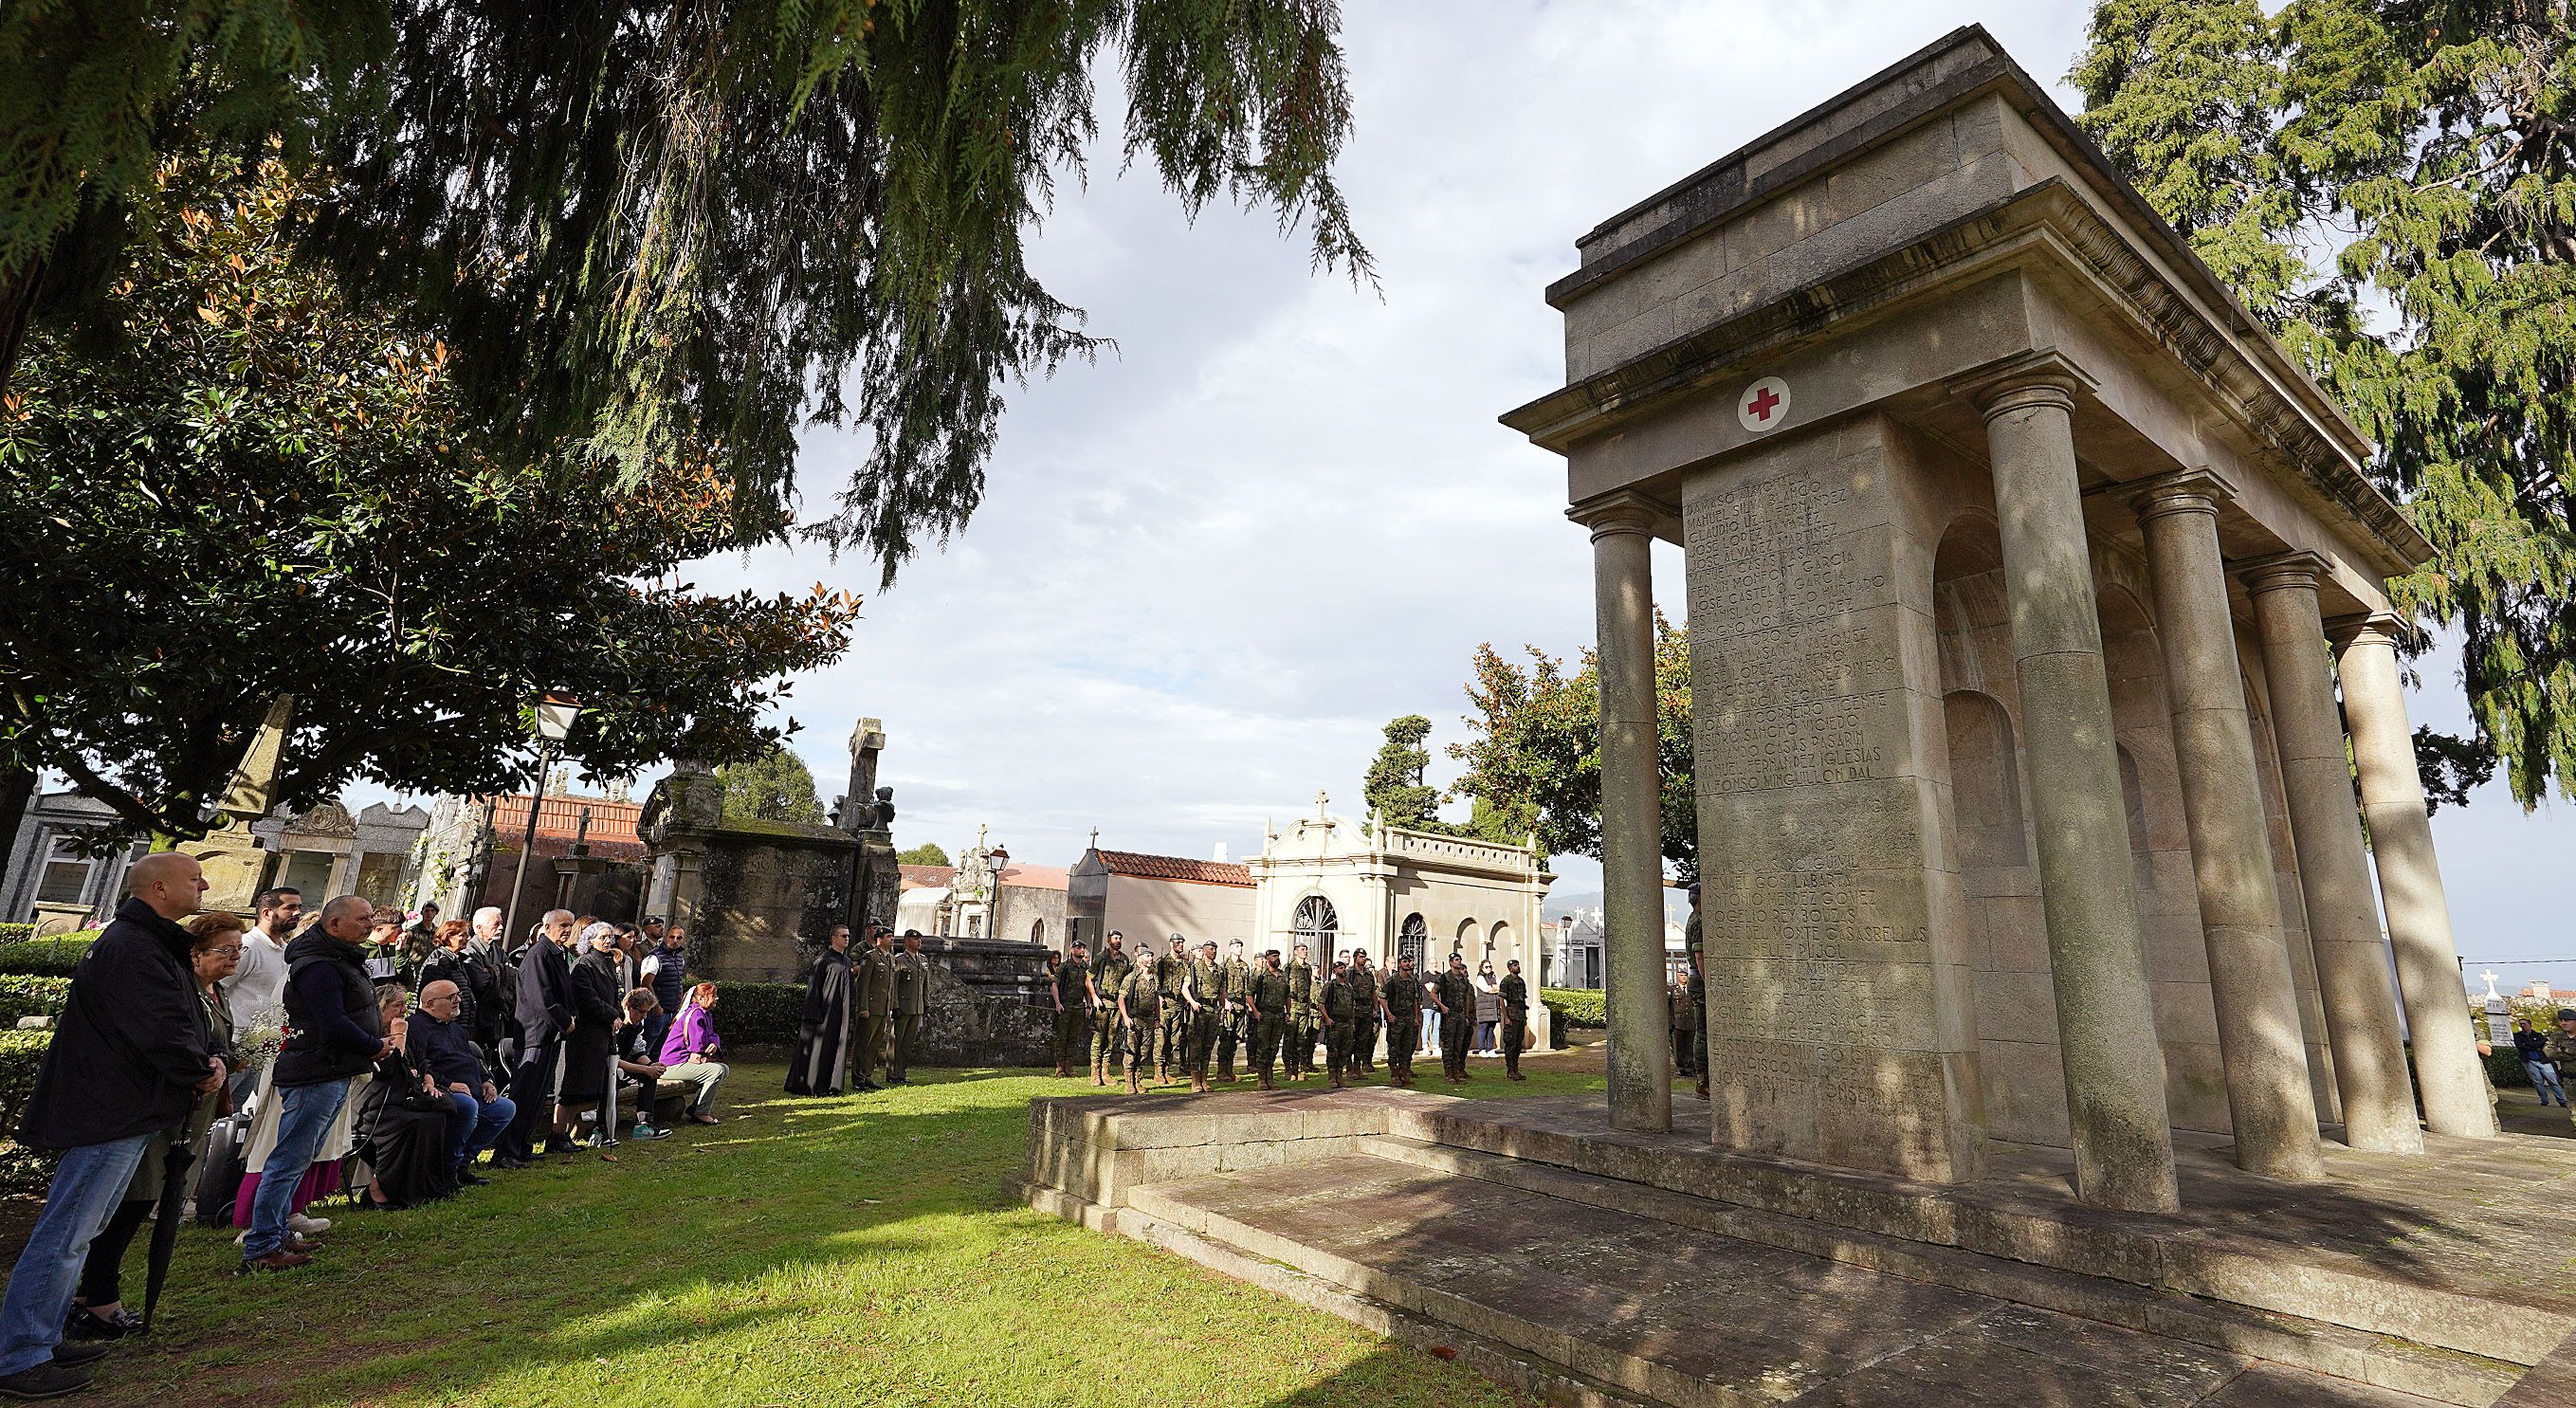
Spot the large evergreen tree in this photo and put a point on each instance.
(776, 786)
(1394, 789)
(2392, 189)
(668, 230)
(265, 487)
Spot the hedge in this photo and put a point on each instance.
(16, 933)
(1577, 1007)
(50, 958)
(759, 1014)
(24, 996)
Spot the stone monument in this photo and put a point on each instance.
(867, 812)
(2015, 548)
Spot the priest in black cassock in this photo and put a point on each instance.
(824, 1035)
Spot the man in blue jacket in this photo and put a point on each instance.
(131, 1055)
(436, 1046)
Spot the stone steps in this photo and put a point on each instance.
(2381, 1291)
(1601, 1295)
(2333, 1350)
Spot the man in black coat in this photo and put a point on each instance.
(131, 1055)
(545, 1010)
(335, 1033)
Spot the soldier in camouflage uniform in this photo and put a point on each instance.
(1072, 1006)
(1348, 998)
(1107, 977)
(1402, 995)
(1695, 992)
(1265, 996)
(1302, 1014)
(1140, 1015)
(1206, 983)
(1458, 1025)
(2560, 1044)
(1171, 974)
(1364, 1046)
(1515, 1018)
(1234, 1017)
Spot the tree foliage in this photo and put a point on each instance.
(776, 786)
(1534, 757)
(691, 230)
(927, 853)
(260, 486)
(2392, 189)
(1394, 788)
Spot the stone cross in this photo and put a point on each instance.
(2491, 980)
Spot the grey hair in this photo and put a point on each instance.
(489, 911)
(595, 931)
(554, 916)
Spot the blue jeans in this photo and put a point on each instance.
(478, 1123)
(2544, 1079)
(1431, 1031)
(88, 1184)
(304, 1115)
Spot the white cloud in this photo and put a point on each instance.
(1213, 565)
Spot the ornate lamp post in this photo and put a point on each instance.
(555, 715)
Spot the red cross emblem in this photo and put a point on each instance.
(1764, 405)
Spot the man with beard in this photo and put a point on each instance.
(1140, 1015)
(1347, 999)
(1171, 975)
(1403, 997)
(1265, 997)
(911, 1004)
(1457, 1025)
(1108, 976)
(1234, 1017)
(1299, 1036)
(337, 1033)
(823, 1029)
(1516, 1019)
(1364, 1045)
(1072, 1005)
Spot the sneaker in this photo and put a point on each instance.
(303, 1226)
(43, 1381)
(72, 1356)
(646, 1131)
(279, 1260)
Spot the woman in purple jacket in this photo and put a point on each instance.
(689, 1053)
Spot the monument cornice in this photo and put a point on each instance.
(2282, 569)
(2047, 229)
(1627, 510)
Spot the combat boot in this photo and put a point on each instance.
(1060, 1071)
(1099, 1073)
(1338, 1085)
(1132, 1087)
(1266, 1085)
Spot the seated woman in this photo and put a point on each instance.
(688, 1053)
(98, 1312)
(403, 1128)
(638, 1074)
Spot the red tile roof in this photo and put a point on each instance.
(1139, 866)
(612, 825)
(1037, 877)
(927, 877)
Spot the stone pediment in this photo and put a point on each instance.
(327, 819)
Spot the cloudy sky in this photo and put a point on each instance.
(1212, 566)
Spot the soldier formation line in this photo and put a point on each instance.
(1176, 1014)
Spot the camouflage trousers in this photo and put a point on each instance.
(1108, 1043)
(1175, 1050)
(1232, 1029)
(1072, 1034)
(1401, 1038)
(1297, 1045)
(1203, 1024)
(1341, 1040)
(1267, 1029)
(1147, 1046)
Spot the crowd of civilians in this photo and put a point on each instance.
(292, 1052)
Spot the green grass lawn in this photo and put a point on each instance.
(866, 1250)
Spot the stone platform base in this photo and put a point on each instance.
(1590, 1266)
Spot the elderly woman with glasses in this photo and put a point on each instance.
(98, 1310)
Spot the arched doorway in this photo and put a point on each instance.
(1316, 925)
(1413, 940)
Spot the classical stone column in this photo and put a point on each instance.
(2410, 881)
(2270, 1103)
(1632, 866)
(2343, 924)
(2115, 1089)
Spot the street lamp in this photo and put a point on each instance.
(555, 714)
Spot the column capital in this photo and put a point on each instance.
(1625, 511)
(2199, 490)
(2282, 571)
(2042, 376)
(2366, 628)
